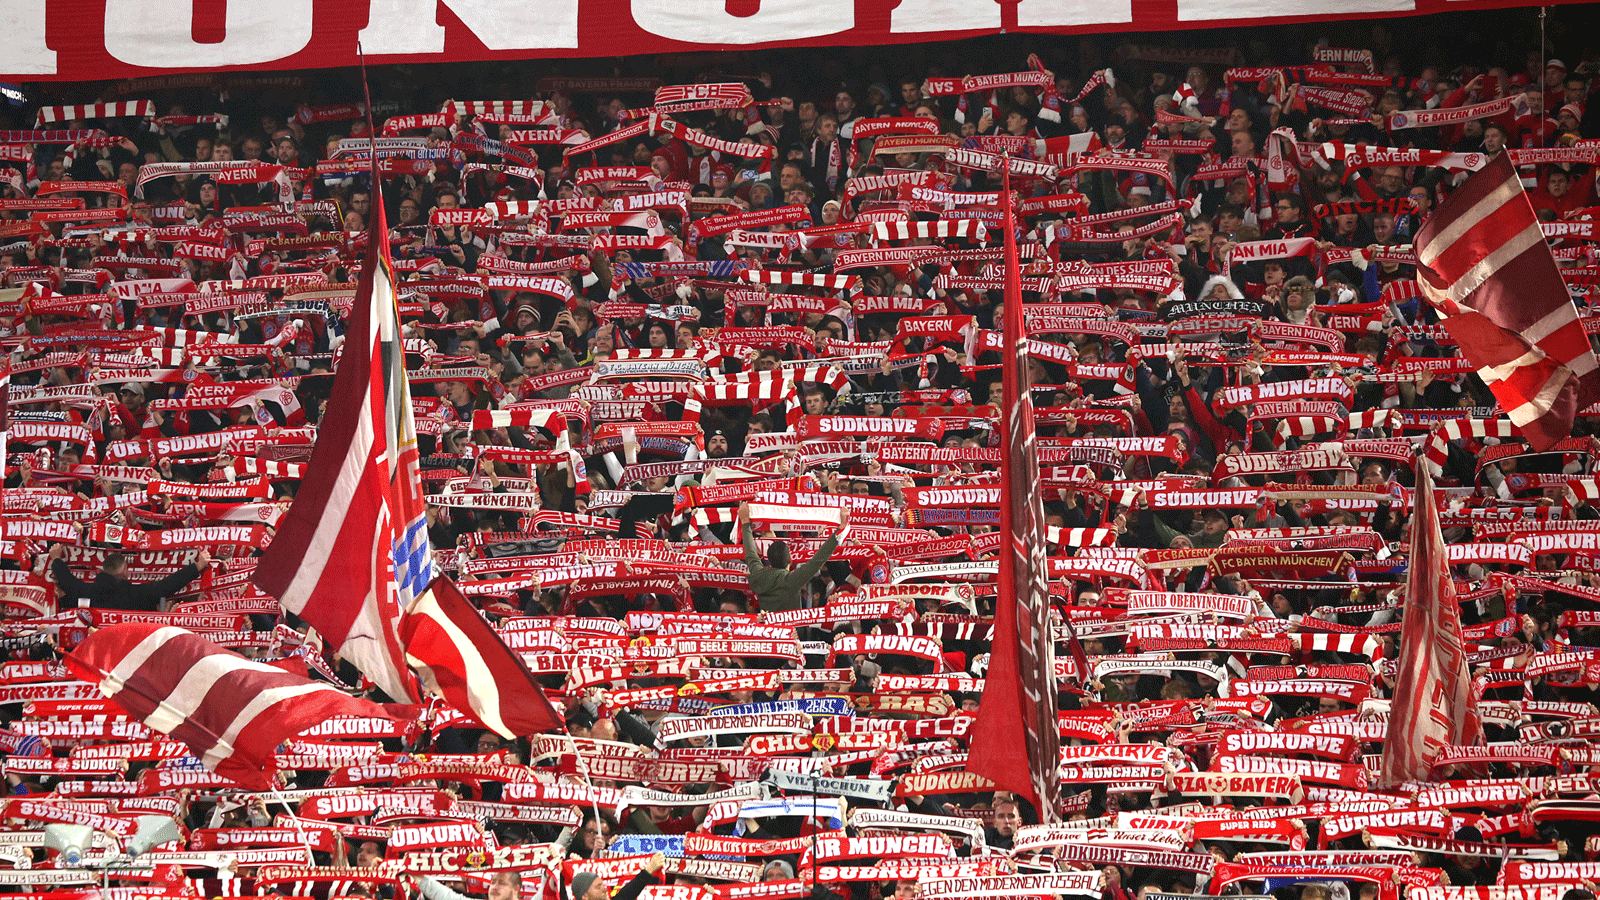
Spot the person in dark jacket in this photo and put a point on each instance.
(776, 586)
(110, 590)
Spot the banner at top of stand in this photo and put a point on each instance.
(86, 40)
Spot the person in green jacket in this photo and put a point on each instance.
(776, 586)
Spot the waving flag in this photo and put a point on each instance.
(464, 660)
(1432, 706)
(1484, 264)
(352, 551)
(1016, 742)
(232, 712)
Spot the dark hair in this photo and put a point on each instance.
(114, 562)
(778, 555)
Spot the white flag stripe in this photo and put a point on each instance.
(258, 704)
(481, 682)
(1486, 268)
(1464, 223)
(136, 657)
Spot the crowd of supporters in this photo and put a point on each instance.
(679, 427)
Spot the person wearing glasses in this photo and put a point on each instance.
(1290, 212)
(595, 835)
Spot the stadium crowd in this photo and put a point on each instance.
(705, 384)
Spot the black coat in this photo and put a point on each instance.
(112, 592)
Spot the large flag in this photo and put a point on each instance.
(1016, 741)
(1433, 706)
(352, 551)
(463, 660)
(1484, 264)
(232, 712)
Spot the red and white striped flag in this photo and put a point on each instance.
(232, 712)
(1433, 706)
(464, 660)
(352, 551)
(1484, 264)
(1016, 741)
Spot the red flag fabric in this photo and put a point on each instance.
(463, 659)
(232, 712)
(352, 551)
(1484, 264)
(1016, 742)
(1433, 705)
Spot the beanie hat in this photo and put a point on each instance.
(581, 883)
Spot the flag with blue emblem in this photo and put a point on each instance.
(352, 552)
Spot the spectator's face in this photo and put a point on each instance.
(202, 150)
(1328, 705)
(717, 446)
(286, 149)
(596, 836)
(904, 889)
(827, 129)
(1243, 144)
(816, 404)
(844, 104)
(1576, 91)
(1016, 123)
(1383, 228)
(789, 178)
(408, 212)
(1238, 120)
(1421, 198)
(1494, 140)
(368, 854)
(797, 197)
(251, 148)
(505, 886)
(1558, 184)
(660, 166)
(361, 202)
(1288, 214)
(807, 112)
(910, 93)
(222, 152)
(448, 201)
(1230, 222)
(1006, 819)
(128, 173)
(1392, 180)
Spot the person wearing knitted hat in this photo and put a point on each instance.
(588, 886)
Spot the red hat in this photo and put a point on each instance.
(723, 169)
(1573, 109)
